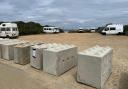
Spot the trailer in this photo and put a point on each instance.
(9, 30)
(51, 30)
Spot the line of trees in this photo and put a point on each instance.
(29, 28)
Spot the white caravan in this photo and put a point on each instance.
(113, 29)
(51, 30)
(9, 30)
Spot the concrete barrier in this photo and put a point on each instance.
(1, 42)
(58, 58)
(22, 52)
(95, 66)
(8, 50)
(36, 56)
(5, 41)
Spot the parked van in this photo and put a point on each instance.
(51, 30)
(9, 30)
(113, 29)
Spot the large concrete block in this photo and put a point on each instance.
(94, 66)
(22, 52)
(1, 42)
(36, 56)
(58, 58)
(8, 50)
(5, 41)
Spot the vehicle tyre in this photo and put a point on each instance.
(17, 37)
(119, 33)
(8, 36)
(103, 33)
(55, 32)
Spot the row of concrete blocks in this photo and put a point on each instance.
(52, 58)
(57, 58)
(94, 65)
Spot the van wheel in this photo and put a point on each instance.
(16, 36)
(119, 33)
(8, 36)
(103, 33)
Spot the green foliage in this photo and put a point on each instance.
(29, 28)
(126, 29)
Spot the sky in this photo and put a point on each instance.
(66, 13)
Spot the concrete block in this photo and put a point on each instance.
(5, 41)
(36, 43)
(58, 58)
(95, 66)
(22, 53)
(36, 55)
(8, 50)
(2, 41)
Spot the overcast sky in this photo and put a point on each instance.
(65, 13)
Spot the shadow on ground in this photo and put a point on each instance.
(123, 82)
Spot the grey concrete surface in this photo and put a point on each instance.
(8, 50)
(22, 53)
(95, 66)
(59, 58)
(36, 56)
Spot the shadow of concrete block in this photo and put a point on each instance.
(123, 82)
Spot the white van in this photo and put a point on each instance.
(113, 29)
(51, 30)
(9, 30)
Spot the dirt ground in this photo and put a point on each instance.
(14, 76)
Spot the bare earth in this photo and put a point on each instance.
(14, 76)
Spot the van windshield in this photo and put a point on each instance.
(106, 29)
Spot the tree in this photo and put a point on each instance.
(29, 28)
(126, 29)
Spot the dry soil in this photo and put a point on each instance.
(14, 76)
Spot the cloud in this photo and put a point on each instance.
(45, 2)
(65, 13)
(5, 8)
(76, 20)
